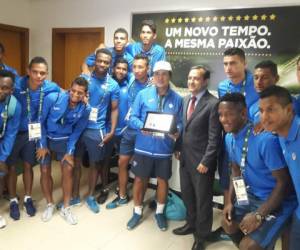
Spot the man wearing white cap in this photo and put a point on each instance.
(153, 151)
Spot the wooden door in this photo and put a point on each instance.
(16, 44)
(69, 49)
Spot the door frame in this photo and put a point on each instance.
(58, 59)
(24, 34)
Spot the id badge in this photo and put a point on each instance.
(34, 131)
(240, 190)
(93, 115)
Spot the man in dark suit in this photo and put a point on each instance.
(198, 149)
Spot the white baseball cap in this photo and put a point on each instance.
(162, 65)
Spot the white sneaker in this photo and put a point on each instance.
(48, 213)
(69, 217)
(2, 222)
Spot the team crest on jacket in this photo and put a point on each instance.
(171, 105)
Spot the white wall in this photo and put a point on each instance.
(15, 12)
(43, 15)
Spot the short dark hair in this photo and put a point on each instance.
(268, 64)
(236, 98)
(103, 51)
(121, 30)
(206, 71)
(38, 60)
(235, 52)
(6, 73)
(2, 49)
(81, 81)
(142, 57)
(121, 60)
(150, 23)
(282, 94)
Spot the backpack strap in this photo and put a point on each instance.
(12, 106)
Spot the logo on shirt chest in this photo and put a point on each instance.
(294, 156)
(104, 86)
(151, 100)
(56, 108)
(171, 105)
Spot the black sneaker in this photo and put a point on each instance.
(103, 196)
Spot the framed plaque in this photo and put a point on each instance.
(159, 122)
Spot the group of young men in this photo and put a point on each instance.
(251, 132)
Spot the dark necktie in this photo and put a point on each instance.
(191, 107)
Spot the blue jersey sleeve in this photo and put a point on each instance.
(160, 54)
(134, 120)
(49, 101)
(78, 129)
(129, 49)
(90, 60)
(12, 127)
(115, 91)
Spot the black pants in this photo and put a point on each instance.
(197, 194)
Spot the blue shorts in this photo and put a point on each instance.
(113, 144)
(145, 167)
(23, 149)
(295, 233)
(59, 147)
(128, 142)
(90, 141)
(267, 234)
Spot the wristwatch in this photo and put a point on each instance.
(259, 217)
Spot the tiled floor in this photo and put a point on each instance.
(103, 231)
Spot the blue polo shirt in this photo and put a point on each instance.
(90, 60)
(264, 156)
(11, 130)
(102, 91)
(21, 94)
(254, 114)
(59, 121)
(251, 96)
(291, 151)
(155, 54)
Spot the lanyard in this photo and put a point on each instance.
(40, 104)
(242, 91)
(161, 102)
(4, 116)
(245, 149)
(105, 85)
